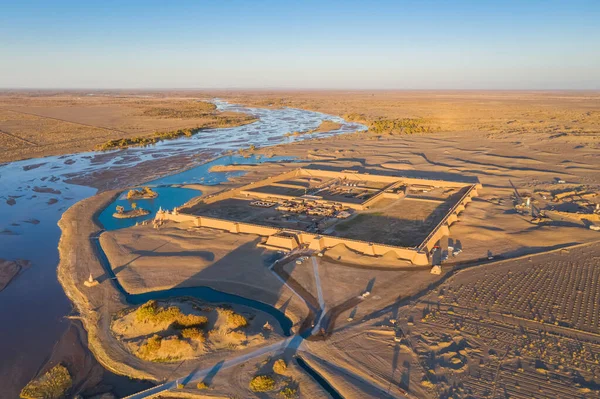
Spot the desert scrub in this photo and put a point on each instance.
(288, 393)
(53, 384)
(193, 333)
(159, 349)
(262, 383)
(151, 346)
(150, 312)
(279, 366)
(216, 121)
(193, 110)
(234, 320)
(145, 192)
(400, 126)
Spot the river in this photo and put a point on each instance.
(34, 193)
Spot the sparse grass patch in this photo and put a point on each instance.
(53, 384)
(262, 383)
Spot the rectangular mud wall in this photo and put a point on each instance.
(442, 229)
(380, 178)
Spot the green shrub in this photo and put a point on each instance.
(262, 383)
(53, 384)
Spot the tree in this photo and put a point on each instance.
(133, 205)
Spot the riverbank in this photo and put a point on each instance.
(97, 305)
(30, 220)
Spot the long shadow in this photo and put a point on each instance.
(456, 267)
(118, 269)
(212, 373)
(428, 175)
(206, 255)
(189, 288)
(370, 225)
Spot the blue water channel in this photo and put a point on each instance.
(168, 198)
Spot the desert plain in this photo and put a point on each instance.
(511, 312)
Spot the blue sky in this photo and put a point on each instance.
(525, 44)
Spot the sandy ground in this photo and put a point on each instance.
(196, 257)
(571, 114)
(233, 382)
(61, 123)
(444, 347)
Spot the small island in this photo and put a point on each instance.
(143, 193)
(134, 212)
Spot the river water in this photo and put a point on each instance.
(34, 193)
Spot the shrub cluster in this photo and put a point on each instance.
(401, 126)
(147, 140)
(279, 366)
(288, 393)
(143, 192)
(193, 333)
(53, 384)
(235, 320)
(262, 383)
(195, 110)
(151, 312)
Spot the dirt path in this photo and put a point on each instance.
(291, 342)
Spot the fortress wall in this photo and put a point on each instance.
(418, 256)
(442, 228)
(314, 241)
(256, 229)
(179, 218)
(372, 200)
(282, 242)
(381, 178)
(237, 191)
(321, 242)
(260, 195)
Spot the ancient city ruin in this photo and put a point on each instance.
(372, 214)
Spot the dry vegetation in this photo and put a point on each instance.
(48, 123)
(565, 113)
(53, 384)
(182, 330)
